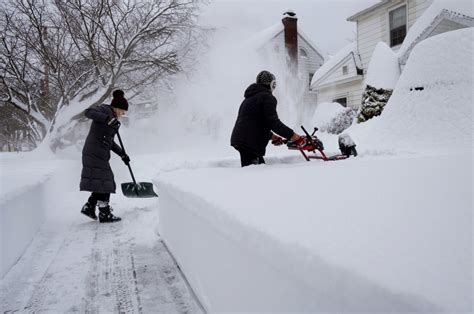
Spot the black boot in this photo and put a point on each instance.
(89, 210)
(105, 215)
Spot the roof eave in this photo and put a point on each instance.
(356, 16)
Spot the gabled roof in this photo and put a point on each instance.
(263, 37)
(459, 12)
(356, 16)
(349, 51)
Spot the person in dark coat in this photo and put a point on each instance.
(258, 123)
(97, 176)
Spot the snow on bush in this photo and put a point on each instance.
(431, 106)
(382, 76)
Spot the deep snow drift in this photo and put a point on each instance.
(388, 231)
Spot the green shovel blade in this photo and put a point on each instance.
(140, 189)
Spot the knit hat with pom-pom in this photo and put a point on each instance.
(119, 100)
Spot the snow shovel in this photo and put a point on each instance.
(134, 189)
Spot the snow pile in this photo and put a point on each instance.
(22, 203)
(325, 114)
(431, 106)
(257, 243)
(383, 70)
(437, 8)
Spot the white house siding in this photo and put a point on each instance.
(415, 9)
(337, 75)
(349, 90)
(308, 65)
(374, 27)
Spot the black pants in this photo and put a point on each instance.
(95, 197)
(248, 158)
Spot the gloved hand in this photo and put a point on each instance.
(113, 123)
(300, 141)
(277, 140)
(125, 159)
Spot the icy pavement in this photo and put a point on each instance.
(92, 267)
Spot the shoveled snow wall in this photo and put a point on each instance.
(248, 243)
(20, 218)
(25, 191)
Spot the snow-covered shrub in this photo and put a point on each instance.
(373, 102)
(342, 121)
(382, 76)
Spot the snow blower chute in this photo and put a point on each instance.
(312, 144)
(134, 189)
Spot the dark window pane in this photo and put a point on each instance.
(341, 101)
(398, 26)
(397, 35)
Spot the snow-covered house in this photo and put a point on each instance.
(401, 24)
(304, 55)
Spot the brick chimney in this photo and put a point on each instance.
(291, 36)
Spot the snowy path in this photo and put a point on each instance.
(75, 264)
(90, 267)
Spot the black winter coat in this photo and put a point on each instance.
(257, 117)
(97, 176)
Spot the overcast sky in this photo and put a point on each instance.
(324, 21)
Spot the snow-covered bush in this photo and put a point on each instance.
(373, 102)
(382, 76)
(333, 118)
(342, 121)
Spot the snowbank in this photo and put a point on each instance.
(22, 209)
(436, 9)
(325, 113)
(383, 70)
(430, 109)
(311, 237)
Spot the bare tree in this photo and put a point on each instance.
(72, 54)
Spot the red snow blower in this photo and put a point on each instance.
(312, 144)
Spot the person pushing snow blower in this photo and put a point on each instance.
(97, 176)
(258, 123)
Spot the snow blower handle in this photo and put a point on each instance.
(128, 164)
(306, 132)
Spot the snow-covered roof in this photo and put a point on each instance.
(334, 61)
(261, 38)
(369, 9)
(460, 12)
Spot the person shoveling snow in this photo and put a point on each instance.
(97, 176)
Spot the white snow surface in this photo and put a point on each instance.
(463, 7)
(437, 118)
(325, 112)
(388, 231)
(393, 229)
(383, 70)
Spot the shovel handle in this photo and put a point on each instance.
(128, 164)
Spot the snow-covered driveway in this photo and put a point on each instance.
(78, 265)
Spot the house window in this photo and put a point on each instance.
(310, 79)
(398, 25)
(303, 53)
(345, 70)
(342, 101)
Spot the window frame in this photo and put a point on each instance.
(346, 68)
(404, 4)
(339, 98)
(305, 56)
